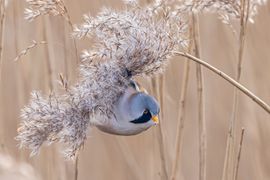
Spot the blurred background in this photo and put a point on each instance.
(138, 157)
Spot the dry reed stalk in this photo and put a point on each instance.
(73, 39)
(236, 168)
(233, 82)
(23, 94)
(65, 54)
(227, 155)
(76, 167)
(159, 92)
(180, 124)
(2, 17)
(181, 113)
(200, 89)
(67, 17)
(76, 50)
(162, 132)
(155, 90)
(228, 169)
(2, 24)
(48, 61)
(45, 35)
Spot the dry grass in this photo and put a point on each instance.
(233, 82)
(2, 24)
(201, 101)
(150, 154)
(157, 90)
(236, 168)
(181, 113)
(229, 163)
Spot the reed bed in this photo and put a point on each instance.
(212, 126)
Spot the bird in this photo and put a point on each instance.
(135, 112)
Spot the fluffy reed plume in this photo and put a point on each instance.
(129, 43)
(119, 35)
(42, 7)
(12, 170)
(227, 9)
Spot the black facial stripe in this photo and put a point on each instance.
(143, 119)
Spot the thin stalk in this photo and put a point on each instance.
(236, 168)
(228, 169)
(68, 19)
(65, 54)
(48, 61)
(74, 44)
(180, 124)
(164, 173)
(2, 24)
(181, 114)
(160, 131)
(233, 82)
(227, 155)
(161, 93)
(76, 167)
(66, 16)
(200, 89)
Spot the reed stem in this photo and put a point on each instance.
(160, 130)
(200, 91)
(76, 167)
(2, 26)
(228, 169)
(236, 168)
(181, 112)
(233, 82)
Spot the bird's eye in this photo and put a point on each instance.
(146, 111)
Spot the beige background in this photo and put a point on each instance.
(138, 157)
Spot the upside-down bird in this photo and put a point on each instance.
(135, 111)
(129, 43)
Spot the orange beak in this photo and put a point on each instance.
(155, 119)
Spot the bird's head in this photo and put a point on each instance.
(143, 109)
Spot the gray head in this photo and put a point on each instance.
(143, 108)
